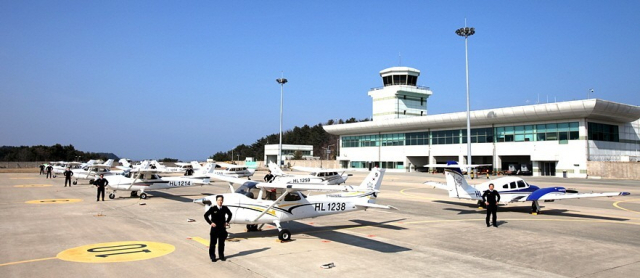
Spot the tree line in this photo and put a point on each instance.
(56, 152)
(305, 135)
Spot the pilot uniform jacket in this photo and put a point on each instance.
(217, 216)
(101, 183)
(68, 174)
(493, 197)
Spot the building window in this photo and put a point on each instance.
(603, 132)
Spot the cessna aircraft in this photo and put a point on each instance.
(91, 170)
(228, 170)
(255, 204)
(317, 176)
(511, 189)
(138, 180)
(126, 165)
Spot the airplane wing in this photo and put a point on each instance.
(561, 196)
(229, 179)
(437, 185)
(370, 205)
(303, 187)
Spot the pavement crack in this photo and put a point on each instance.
(611, 268)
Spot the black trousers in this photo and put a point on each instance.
(492, 210)
(100, 190)
(49, 175)
(67, 180)
(220, 237)
(41, 171)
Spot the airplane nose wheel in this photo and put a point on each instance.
(112, 196)
(284, 235)
(134, 194)
(143, 196)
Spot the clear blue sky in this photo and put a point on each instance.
(185, 79)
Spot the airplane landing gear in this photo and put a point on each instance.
(252, 228)
(75, 182)
(134, 194)
(284, 235)
(91, 181)
(535, 207)
(482, 205)
(112, 196)
(143, 195)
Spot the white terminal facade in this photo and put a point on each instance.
(550, 139)
(288, 152)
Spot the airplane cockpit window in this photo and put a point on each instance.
(126, 174)
(155, 176)
(141, 176)
(248, 189)
(506, 186)
(521, 184)
(292, 196)
(512, 185)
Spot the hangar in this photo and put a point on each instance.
(550, 139)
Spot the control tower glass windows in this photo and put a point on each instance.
(603, 132)
(400, 80)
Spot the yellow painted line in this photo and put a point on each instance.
(629, 210)
(201, 241)
(119, 251)
(32, 185)
(54, 201)
(28, 261)
(22, 178)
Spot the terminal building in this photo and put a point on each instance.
(551, 139)
(288, 152)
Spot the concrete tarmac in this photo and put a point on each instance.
(65, 232)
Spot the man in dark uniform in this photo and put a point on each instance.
(215, 216)
(100, 183)
(269, 177)
(41, 169)
(49, 169)
(491, 198)
(67, 177)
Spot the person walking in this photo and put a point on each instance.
(491, 198)
(100, 183)
(67, 177)
(49, 169)
(215, 216)
(269, 177)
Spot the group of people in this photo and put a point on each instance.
(46, 170)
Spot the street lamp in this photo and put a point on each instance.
(281, 81)
(466, 32)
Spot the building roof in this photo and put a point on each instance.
(593, 109)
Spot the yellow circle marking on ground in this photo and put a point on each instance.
(32, 185)
(54, 201)
(629, 210)
(113, 252)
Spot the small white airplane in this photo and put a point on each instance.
(512, 189)
(138, 180)
(92, 170)
(317, 176)
(226, 169)
(255, 203)
(154, 164)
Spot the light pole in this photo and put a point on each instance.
(281, 81)
(466, 32)
(328, 150)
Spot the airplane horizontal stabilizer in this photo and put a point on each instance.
(371, 205)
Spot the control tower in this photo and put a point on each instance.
(400, 97)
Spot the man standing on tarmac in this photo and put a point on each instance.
(215, 216)
(491, 198)
(41, 169)
(49, 169)
(67, 177)
(269, 177)
(100, 183)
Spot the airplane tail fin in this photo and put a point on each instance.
(124, 162)
(195, 165)
(458, 187)
(275, 170)
(109, 162)
(371, 184)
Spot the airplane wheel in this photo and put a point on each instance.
(91, 181)
(143, 196)
(75, 182)
(112, 196)
(284, 235)
(54, 176)
(252, 228)
(134, 193)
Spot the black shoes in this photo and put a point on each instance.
(214, 260)
(223, 259)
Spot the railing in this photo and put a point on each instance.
(419, 87)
